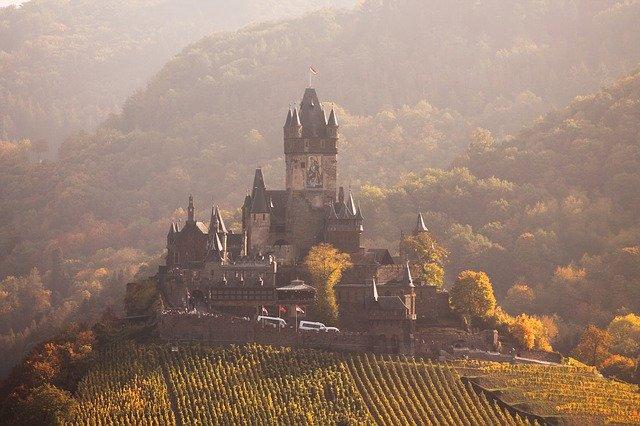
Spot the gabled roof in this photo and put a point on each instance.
(296, 285)
(387, 303)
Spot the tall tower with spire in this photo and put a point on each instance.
(311, 148)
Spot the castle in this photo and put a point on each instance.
(259, 268)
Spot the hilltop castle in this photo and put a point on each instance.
(259, 266)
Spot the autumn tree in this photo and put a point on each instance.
(431, 257)
(519, 298)
(472, 295)
(619, 366)
(530, 332)
(594, 346)
(46, 404)
(325, 265)
(625, 331)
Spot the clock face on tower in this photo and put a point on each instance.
(314, 172)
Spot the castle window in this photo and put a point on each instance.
(322, 144)
(306, 144)
(303, 164)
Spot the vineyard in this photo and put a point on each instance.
(255, 384)
(575, 393)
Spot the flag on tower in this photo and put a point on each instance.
(299, 310)
(282, 309)
(313, 70)
(264, 311)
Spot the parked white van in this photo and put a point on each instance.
(311, 326)
(272, 321)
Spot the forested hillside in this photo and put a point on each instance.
(411, 81)
(66, 65)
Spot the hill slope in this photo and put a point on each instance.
(240, 384)
(66, 65)
(89, 220)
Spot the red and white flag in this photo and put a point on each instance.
(282, 309)
(313, 70)
(299, 310)
(264, 311)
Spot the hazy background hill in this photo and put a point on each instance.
(411, 81)
(66, 64)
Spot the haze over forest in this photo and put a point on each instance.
(513, 126)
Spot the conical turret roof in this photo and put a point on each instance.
(407, 280)
(216, 224)
(420, 226)
(287, 122)
(333, 120)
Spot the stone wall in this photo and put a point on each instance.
(224, 330)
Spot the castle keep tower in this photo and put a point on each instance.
(310, 148)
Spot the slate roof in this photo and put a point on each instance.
(312, 115)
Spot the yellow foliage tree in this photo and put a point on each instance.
(431, 255)
(325, 265)
(530, 332)
(472, 295)
(594, 346)
(625, 331)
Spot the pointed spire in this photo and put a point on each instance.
(216, 224)
(359, 214)
(287, 122)
(216, 249)
(407, 280)
(420, 226)
(258, 181)
(333, 120)
(191, 210)
(351, 204)
(375, 290)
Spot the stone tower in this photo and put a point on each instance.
(310, 148)
(258, 216)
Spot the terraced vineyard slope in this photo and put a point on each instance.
(576, 394)
(253, 384)
(258, 384)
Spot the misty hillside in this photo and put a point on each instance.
(66, 65)
(411, 81)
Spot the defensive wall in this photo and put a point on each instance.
(224, 330)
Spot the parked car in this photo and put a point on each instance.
(272, 321)
(311, 326)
